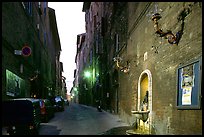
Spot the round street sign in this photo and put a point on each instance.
(26, 51)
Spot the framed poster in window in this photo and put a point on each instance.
(189, 85)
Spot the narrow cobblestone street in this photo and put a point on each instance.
(83, 120)
(102, 68)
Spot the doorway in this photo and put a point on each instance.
(115, 93)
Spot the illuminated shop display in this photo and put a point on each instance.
(14, 84)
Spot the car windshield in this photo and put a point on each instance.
(57, 99)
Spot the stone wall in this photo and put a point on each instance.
(162, 60)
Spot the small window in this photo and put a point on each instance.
(45, 38)
(117, 42)
(28, 7)
(45, 6)
(23, 5)
(39, 8)
(39, 4)
(91, 56)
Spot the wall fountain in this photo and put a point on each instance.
(141, 116)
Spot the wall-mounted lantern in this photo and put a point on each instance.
(125, 68)
(36, 73)
(172, 39)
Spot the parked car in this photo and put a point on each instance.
(59, 103)
(21, 116)
(47, 110)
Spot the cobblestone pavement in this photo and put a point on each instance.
(84, 120)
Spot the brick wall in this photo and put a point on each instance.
(166, 118)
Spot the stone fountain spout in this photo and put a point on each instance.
(142, 115)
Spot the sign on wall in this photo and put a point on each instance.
(14, 84)
(189, 85)
(26, 51)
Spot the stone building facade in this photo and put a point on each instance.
(154, 64)
(80, 60)
(149, 52)
(54, 49)
(30, 50)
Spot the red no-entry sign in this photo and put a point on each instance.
(26, 51)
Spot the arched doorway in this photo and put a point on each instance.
(145, 88)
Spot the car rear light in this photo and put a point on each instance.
(43, 111)
(42, 105)
(13, 127)
(31, 127)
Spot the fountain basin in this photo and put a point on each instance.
(137, 132)
(142, 115)
(140, 112)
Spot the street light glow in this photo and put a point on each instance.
(75, 89)
(87, 74)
